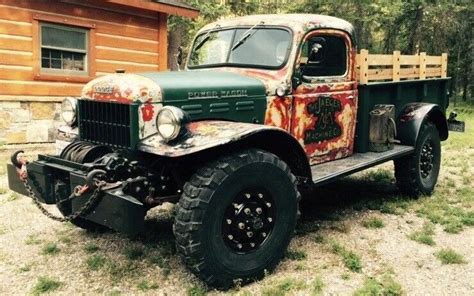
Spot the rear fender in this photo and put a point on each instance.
(212, 134)
(414, 115)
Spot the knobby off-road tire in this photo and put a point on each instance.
(417, 173)
(236, 217)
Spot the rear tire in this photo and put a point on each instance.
(417, 173)
(236, 217)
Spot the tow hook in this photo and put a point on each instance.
(80, 190)
(20, 161)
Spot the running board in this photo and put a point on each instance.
(333, 170)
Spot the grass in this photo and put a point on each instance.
(424, 235)
(317, 286)
(95, 262)
(374, 287)
(119, 269)
(32, 239)
(25, 268)
(318, 238)
(13, 196)
(162, 262)
(91, 248)
(50, 249)
(449, 256)
(134, 253)
(373, 222)
(196, 290)
(45, 285)
(351, 260)
(295, 255)
(282, 287)
(144, 285)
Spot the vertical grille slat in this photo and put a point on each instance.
(105, 123)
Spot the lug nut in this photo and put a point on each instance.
(241, 225)
(260, 195)
(247, 195)
(269, 205)
(230, 236)
(252, 245)
(249, 233)
(239, 246)
(247, 211)
(259, 210)
(264, 234)
(270, 219)
(229, 221)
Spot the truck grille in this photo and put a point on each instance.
(105, 123)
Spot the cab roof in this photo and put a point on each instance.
(299, 23)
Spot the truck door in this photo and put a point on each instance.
(325, 98)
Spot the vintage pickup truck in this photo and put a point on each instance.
(266, 106)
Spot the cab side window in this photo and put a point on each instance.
(323, 56)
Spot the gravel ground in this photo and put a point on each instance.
(32, 246)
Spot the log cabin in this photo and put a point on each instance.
(50, 48)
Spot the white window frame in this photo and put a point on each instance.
(84, 72)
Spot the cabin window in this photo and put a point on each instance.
(63, 49)
(324, 56)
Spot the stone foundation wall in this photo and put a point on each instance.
(29, 122)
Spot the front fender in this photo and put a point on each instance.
(209, 134)
(202, 135)
(414, 115)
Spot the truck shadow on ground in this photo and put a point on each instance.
(337, 201)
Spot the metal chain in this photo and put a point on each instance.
(83, 210)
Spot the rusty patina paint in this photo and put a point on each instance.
(122, 88)
(202, 135)
(291, 112)
(127, 89)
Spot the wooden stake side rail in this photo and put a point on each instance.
(395, 67)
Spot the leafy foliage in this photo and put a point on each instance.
(382, 26)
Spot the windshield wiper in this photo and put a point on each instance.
(206, 37)
(245, 36)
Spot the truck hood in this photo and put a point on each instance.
(173, 87)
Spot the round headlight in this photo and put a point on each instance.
(170, 122)
(68, 110)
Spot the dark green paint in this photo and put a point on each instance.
(399, 94)
(177, 86)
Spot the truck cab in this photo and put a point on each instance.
(307, 67)
(266, 106)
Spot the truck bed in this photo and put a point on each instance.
(333, 170)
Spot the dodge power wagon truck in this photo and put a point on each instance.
(266, 106)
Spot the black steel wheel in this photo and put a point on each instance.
(417, 174)
(236, 217)
(249, 220)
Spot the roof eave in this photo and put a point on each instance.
(159, 7)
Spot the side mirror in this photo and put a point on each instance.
(179, 57)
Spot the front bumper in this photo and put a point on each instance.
(53, 179)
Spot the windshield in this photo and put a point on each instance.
(260, 48)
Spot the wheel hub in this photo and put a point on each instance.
(426, 159)
(248, 221)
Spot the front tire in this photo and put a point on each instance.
(417, 174)
(236, 217)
